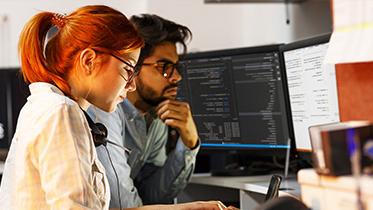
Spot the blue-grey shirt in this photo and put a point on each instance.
(146, 175)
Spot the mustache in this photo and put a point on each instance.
(171, 86)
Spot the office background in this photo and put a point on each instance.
(214, 26)
(217, 26)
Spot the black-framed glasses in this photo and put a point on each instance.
(131, 73)
(166, 68)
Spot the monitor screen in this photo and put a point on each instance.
(237, 97)
(13, 95)
(311, 86)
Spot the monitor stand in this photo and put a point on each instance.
(240, 171)
(228, 164)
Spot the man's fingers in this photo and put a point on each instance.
(180, 111)
(174, 123)
(171, 114)
(221, 205)
(167, 107)
(231, 208)
(172, 105)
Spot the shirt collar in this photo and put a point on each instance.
(130, 110)
(43, 87)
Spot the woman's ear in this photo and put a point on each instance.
(86, 61)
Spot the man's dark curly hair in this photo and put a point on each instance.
(156, 30)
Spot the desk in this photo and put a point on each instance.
(247, 191)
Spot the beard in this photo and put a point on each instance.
(149, 95)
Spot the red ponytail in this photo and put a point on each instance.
(89, 26)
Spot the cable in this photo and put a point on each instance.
(99, 138)
(116, 176)
(287, 12)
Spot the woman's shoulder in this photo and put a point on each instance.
(46, 102)
(45, 95)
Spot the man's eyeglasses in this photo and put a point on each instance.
(166, 68)
(131, 73)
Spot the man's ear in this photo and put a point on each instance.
(86, 61)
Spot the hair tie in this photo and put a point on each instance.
(58, 20)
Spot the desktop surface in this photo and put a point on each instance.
(257, 184)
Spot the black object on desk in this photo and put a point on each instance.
(274, 186)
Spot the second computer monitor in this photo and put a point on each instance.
(311, 86)
(237, 98)
(13, 95)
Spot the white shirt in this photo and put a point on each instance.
(52, 161)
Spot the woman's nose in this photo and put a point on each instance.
(131, 86)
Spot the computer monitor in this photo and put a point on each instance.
(237, 99)
(13, 95)
(311, 86)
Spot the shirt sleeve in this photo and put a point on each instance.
(160, 183)
(64, 156)
(127, 195)
(122, 189)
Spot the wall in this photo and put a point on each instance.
(354, 81)
(310, 18)
(18, 12)
(217, 26)
(214, 26)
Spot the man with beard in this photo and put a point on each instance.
(158, 129)
(154, 116)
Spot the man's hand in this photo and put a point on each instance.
(206, 205)
(198, 205)
(177, 114)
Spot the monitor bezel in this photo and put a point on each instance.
(314, 40)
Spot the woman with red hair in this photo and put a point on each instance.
(52, 161)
